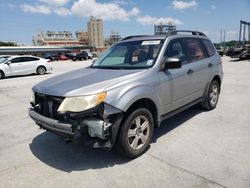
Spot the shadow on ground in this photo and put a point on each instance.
(67, 156)
(235, 60)
(27, 75)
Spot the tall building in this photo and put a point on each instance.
(95, 31)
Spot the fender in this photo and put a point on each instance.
(129, 95)
(209, 82)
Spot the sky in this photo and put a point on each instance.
(21, 19)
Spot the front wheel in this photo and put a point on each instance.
(41, 70)
(135, 133)
(1, 74)
(212, 96)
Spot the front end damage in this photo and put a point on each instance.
(98, 126)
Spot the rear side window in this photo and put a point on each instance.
(25, 59)
(209, 47)
(195, 50)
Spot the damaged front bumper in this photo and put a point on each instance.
(98, 126)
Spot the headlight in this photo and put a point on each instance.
(32, 97)
(82, 103)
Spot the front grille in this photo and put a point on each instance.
(48, 105)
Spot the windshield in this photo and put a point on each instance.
(130, 55)
(3, 59)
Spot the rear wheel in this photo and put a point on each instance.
(1, 74)
(41, 70)
(212, 96)
(136, 133)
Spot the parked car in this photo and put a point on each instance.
(135, 85)
(51, 57)
(22, 65)
(60, 57)
(71, 56)
(235, 52)
(220, 51)
(82, 56)
(245, 55)
(88, 54)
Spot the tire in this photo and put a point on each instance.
(212, 96)
(140, 125)
(41, 70)
(1, 74)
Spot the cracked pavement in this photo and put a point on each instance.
(192, 149)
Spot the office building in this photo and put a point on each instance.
(95, 32)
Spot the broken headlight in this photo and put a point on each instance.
(81, 103)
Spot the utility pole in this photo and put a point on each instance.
(224, 40)
(244, 35)
(239, 45)
(221, 38)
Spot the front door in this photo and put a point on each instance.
(16, 66)
(175, 84)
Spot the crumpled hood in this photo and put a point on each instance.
(85, 81)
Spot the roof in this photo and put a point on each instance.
(144, 37)
(161, 37)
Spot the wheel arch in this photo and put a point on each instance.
(41, 66)
(2, 72)
(218, 79)
(215, 77)
(145, 103)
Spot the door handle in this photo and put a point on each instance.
(190, 71)
(210, 65)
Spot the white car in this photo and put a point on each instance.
(22, 65)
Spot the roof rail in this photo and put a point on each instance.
(133, 36)
(187, 31)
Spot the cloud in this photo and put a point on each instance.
(42, 9)
(180, 5)
(121, 2)
(106, 11)
(55, 2)
(36, 9)
(148, 20)
(10, 5)
(61, 11)
(232, 32)
(213, 7)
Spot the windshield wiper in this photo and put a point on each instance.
(108, 67)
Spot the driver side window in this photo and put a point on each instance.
(17, 60)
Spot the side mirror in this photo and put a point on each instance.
(94, 60)
(7, 63)
(171, 63)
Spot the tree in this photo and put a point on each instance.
(7, 43)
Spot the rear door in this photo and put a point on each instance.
(30, 64)
(200, 66)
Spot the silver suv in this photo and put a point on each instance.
(135, 85)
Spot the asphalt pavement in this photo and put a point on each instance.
(195, 148)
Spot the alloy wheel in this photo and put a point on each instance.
(138, 132)
(214, 93)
